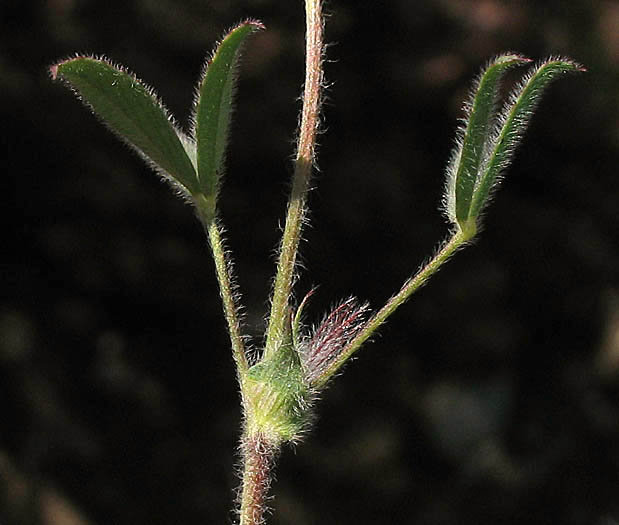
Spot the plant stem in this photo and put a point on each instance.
(258, 458)
(258, 451)
(456, 241)
(303, 168)
(223, 270)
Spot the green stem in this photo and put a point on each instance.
(303, 168)
(456, 241)
(223, 270)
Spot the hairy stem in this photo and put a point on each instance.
(456, 241)
(303, 168)
(226, 284)
(258, 459)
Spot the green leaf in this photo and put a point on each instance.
(473, 136)
(131, 110)
(511, 125)
(214, 106)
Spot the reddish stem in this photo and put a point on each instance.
(258, 457)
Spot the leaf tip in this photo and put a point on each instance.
(255, 24)
(568, 64)
(511, 58)
(55, 69)
(575, 66)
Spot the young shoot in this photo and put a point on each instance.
(279, 387)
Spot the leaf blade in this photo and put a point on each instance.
(473, 136)
(131, 110)
(213, 106)
(511, 125)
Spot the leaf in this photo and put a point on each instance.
(479, 117)
(132, 111)
(511, 125)
(214, 106)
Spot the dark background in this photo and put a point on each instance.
(491, 397)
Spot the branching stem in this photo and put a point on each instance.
(258, 452)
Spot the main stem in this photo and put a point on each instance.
(303, 168)
(258, 451)
(258, 457)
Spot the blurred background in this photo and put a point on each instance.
(491, 397)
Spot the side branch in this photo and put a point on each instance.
(226, 286)
(412, 285)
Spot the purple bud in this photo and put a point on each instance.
(329, 338)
